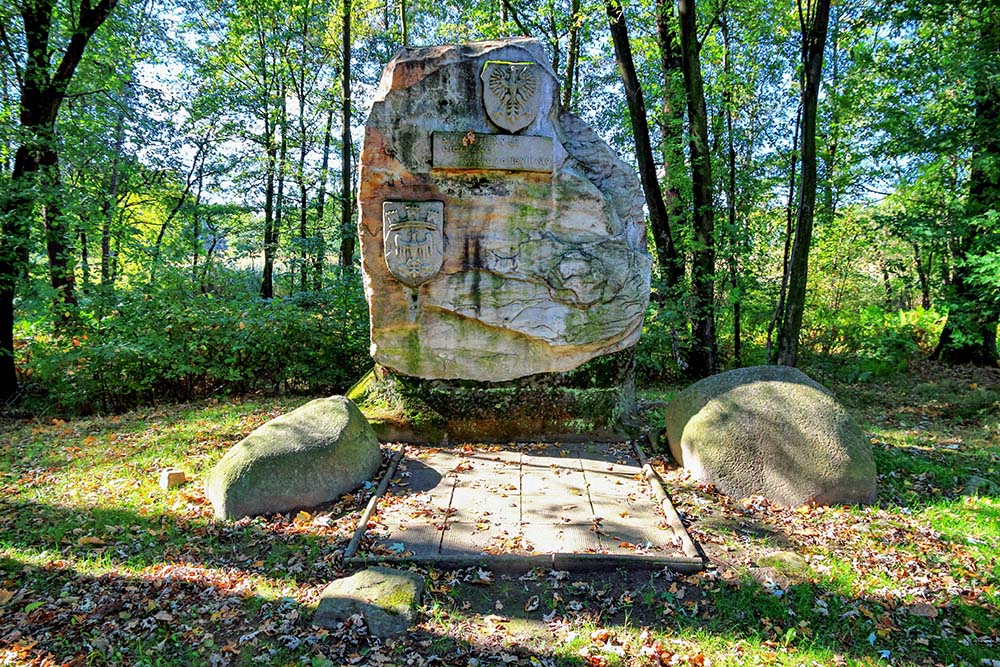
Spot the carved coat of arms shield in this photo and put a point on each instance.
(413, 235)
(511, 93)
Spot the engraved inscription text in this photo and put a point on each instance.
(504, 152)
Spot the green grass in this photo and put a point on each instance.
(100, 565)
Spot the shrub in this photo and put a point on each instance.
(175, 345)
(872, 342)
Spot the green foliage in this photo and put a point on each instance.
(655, 361)
(872, 342)
(171, 345)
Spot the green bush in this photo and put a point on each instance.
(871, 342)
(172, 344)
(662, 332)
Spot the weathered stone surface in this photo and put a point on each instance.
(595, 402)
(980, 486)
(771, 431)
(307, 457)
(385, 597)
(544, 263)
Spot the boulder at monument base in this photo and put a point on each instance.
(307, 457)
(771, 431)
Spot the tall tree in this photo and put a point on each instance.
(347, 230)
(814, 17)
(703, 359)
(671, 128)
(34, 183)
(970, 334)
(572, 54)
(659, 219)
(733, 235)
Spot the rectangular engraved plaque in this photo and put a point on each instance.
(503, 152)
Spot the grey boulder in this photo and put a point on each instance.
(307, 457)
(386, 598)
(771, 431)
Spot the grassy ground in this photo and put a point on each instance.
(98, 565)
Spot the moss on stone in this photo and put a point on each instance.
(596, 401)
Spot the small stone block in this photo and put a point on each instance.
(171, 478)
(387, 599)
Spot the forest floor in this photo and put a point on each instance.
(98, 565)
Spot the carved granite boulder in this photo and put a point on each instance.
(500, 236)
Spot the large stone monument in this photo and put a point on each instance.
(503, 246)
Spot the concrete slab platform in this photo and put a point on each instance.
(555, 509)
(497, 501)
(530, 501)
(478, 538)
(566, 538)
(418, 539)
(562, 483)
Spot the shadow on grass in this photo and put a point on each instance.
(745, 621)
(178, 592)
(123, 538)
(214, 618)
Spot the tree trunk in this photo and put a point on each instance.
(779, 308)
(732, 231)
(84, 260)
(573, 53)
(925, 288)
(702, 358)
(111, 200)
(347, 231)
(196, 165)
(301, 177)
(970, 334)
(659, 220)
(271, 151)
(318, 267)
(673, 133)
(829, 210)
(280, 171)
(58, 246)
(886, 283)
(42, 94)
(196, 224)
(404, 24)
(813, 20)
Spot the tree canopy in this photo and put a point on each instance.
(177, 181)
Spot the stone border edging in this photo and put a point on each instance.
(673, 518)
(359, 531)
(576, 562)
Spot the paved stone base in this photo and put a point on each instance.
(594, 403)
(527, 500)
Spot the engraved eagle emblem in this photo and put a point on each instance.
(511, 93)
(513, 85)
(413, 238)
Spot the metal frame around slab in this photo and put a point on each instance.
(691, 563)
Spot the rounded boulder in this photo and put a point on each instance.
(307, 457)
(771, 431)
